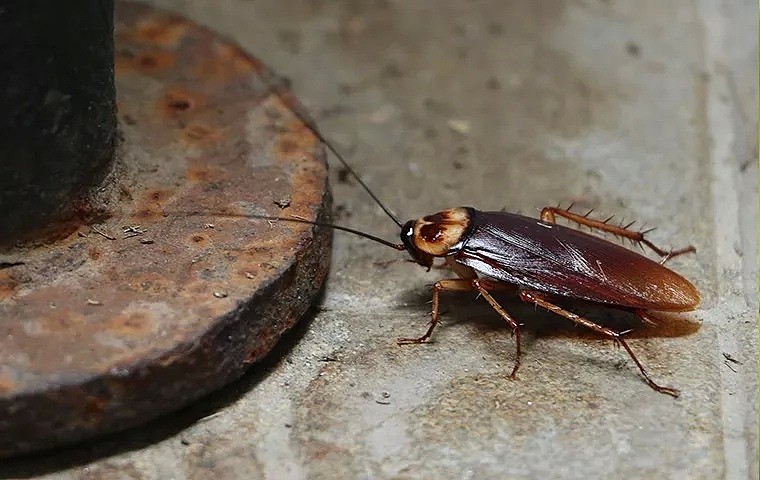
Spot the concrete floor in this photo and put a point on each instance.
(645, 110)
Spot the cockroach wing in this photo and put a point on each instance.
(559, 260)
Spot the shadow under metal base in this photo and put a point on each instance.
(178, 291)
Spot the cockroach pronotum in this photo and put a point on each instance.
(538, 258)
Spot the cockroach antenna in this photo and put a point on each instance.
(355, 175)
(282, 89)
(368, 236)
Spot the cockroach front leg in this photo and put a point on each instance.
(538, 299)
(453, 285)
(467, 285)
(548, 215)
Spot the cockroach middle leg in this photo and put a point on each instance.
(481, 286)
(467, 285)
(538, 299)
(548, 214)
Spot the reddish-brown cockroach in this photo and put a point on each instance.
(539, 259)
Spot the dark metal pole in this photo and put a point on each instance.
(57, 113)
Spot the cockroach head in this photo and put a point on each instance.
(407, 236)
(436, 235)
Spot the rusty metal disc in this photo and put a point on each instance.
(179, 290)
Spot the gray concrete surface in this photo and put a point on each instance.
(645, 110)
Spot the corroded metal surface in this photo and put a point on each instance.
(178, 291)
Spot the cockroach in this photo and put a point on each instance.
(539, 259)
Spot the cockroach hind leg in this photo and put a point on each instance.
(539, 299)
(549, 214)
(673, 392)
(675, 253)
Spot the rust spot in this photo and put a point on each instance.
(287, 146)
(154, 60)
(166, 31)
(180, 102)
(145, 213)
(152, 204)
(159, 195)
(197, 238)
(145, 62)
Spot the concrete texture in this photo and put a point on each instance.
(646, 111)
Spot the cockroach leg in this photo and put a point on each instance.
(466, 285)
(481, 286)
(538, 299)
(452, 285)
(672, 253)
(548, 215)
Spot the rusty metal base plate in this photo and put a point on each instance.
(179, 290)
